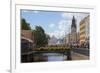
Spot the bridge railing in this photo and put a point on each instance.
(50, 48)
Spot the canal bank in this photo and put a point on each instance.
(77, 56)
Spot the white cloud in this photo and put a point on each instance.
(36, 11)
(32, 26)
(64, 25)
(67, 16)
(76, 15)
(25, 11)
(51, 25)
(57, 34)
(63, 28)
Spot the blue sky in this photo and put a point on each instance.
(42, 18)
(54, 23)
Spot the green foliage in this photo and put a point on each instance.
(52, 48)
(40, 38)
(25, 25)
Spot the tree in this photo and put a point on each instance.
(47, 38)
(40, 38)
(25, 25)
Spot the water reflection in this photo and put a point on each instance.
(49, 57)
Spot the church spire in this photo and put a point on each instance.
(73, 18)
(73, 22)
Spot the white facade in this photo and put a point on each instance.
(53, 41)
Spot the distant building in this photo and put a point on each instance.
(60, 41)
(84, 30)
(73, 34)
(53, 41)
(67, 39)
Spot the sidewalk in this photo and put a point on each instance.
(77, 56)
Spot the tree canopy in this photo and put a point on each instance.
(25, 25)
(40, 37)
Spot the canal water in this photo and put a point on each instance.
(49, 57)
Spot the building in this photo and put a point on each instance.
(84, 30)
(52, 41)
(67, 39)
(78, 37)
(26, 45)
(27, 34)
(73, 34)
(60, 41)
(26, 39)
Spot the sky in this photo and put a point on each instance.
(54, 23)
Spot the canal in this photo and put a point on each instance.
(43, 57)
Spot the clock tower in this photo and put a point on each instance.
(73, 37)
